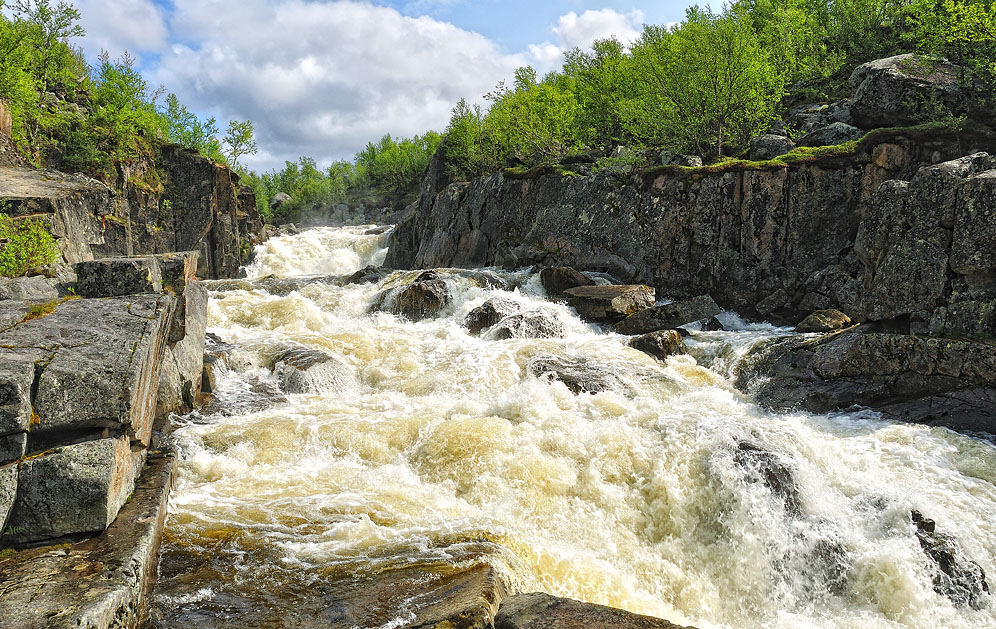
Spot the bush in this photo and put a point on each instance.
(24, 245)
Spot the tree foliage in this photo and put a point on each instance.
(24, 245)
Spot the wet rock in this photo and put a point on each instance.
(578, 374)
(661, 345)
(8, 491)
(958, 577)
(607, 304)
(770, 145)
(377, 231)
(34, 289)
(906, 378)
(180, 376)
(904, 90)
(558, 279)
(767, 468)
(536, 324)
(302, 370)
(423, 299)
(669, 316)
(543, 611)
(490, 313)
(824, 321)
(258, 395)
(831, 135)
(712, 324)
(115, 277)
(77, 489)
(367, 275)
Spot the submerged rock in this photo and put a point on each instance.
(607, 304)
(824, 321)
(543, 611)
(369, 274)
(767, 468)
(529, 325)
(661, 345)
(302, 370)
(490, 313)
(558, 279)
(578, 374)
(423, 299)
(669, 316)
(958, 577)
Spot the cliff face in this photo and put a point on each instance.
(895, 233)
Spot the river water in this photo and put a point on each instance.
(432, 452)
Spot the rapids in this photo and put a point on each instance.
(439, 451)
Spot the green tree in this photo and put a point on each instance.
(24, 245)
(54, 25)
(240, 140)
(188, 130)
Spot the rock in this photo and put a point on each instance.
(367, 275)
(115, 277)
(182, 369)
(423, 299)
(689, 161)
(669, 316)
(958, 577)
(578, 374)
(558, 279)
(767, 468)
(260, 395)
(33, 289)
(770, 145)
(831, 135)
(712, 324)
(279, 199)
(661, 345)
(543, 611)
(536, 324)
(76, 489)
(17, 376)
(824, 321)
(906, 378)
(973, 251)
(8, 492)
(302, 370)
(904, 90)
(13, 447)
(609, 303)
(489, 313)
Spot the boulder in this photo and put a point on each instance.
(767, 468)
(832, 134)
(423, 299)
(8, 492)
(907, 378)
(489, 313)
(543, 611)
(115, 277)
(367, 275)
(17, 376)
(661, 345)
(279, 199)
(904, 90)
(669, 316)
(712, 324)
(182, 368)
(770, 145)
(35, 289)
(607, 304)
(824, 321)
(536, 324)
(303, 370)
(13, 447)
(956, 576)
(76, 489)
(578, 374)
(558, 279)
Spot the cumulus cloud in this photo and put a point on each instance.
(581, 31)
(322, 79)
(137, 26)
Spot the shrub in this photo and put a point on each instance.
(24, 244)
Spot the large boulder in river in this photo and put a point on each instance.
(578, 375)
(606, 304)
(424, 298)
(661, 345)
(536, 324)
(904, 90)
(490, 313)
(303, 370)
(824, 321)
(543, 611)
(558, 279)
(669, 316)
(956, 576)
(908, 378)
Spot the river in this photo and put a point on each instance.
(431, 452)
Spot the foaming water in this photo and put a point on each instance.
(445, 452)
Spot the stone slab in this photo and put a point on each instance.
(609, 303)
(8, 492)
(543, 611)
(115, 277)
(669, 316)
(99, 583)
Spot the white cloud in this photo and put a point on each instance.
(322, 79)
(581, 31)
(137, 26)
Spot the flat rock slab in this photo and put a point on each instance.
(669, 316)
(99, 583)
(609, 303)
(37, 188)
(543, 611)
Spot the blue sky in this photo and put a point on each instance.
(321, 78)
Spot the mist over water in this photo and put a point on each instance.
(669, 493)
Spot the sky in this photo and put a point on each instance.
(321, 78)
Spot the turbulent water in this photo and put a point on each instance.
(432, 452)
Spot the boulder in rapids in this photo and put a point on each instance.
(661, 345)
(423, 299)
(490, 313)
(578, 374)
(302, 370)
(543, 611)
(558, 279)
(607, 304)
(824, 321)
(904, 90)
(669, 316)
(536, 324)
(957, 577)
(369, 274)
(767, 468)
